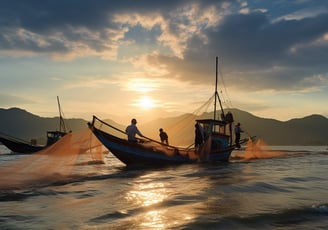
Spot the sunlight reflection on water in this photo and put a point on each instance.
(165, 203)
(262, 192)
(147, 194)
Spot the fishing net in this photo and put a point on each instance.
(181, 132)
(54, 163)
(259, 150)
(151, 144)
(171, 151)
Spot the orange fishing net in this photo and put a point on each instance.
(260, 150)
(53, 163)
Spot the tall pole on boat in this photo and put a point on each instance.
(216, 90)
(216, 86)
(61, 120)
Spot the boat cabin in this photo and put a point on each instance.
(217, 130)
(53, 136)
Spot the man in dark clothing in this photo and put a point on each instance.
(199, 136)
(238, 130)
(164, 137)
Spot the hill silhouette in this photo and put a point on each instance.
(21, 124)
(310, 130)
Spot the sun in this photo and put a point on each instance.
(146, 102)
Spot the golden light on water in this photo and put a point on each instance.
(155, 219)
(157, 202)
(148, 194)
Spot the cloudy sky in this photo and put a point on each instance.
(129, 58)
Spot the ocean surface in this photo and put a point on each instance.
(283, 191)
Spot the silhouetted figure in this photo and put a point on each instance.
(164, 137)
(238, 130)
(199, 136)
(132, 130)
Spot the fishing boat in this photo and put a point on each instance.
(216, 145)
(17, 145)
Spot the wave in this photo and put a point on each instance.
(312, 217)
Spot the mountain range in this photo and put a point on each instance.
(309, 130)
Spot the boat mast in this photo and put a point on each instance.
(216, 96)
(61, 119)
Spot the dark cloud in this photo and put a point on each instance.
(253, 48)
(43, 15)
(253, 39)
(271, 45)
(46, 18)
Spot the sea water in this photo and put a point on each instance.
(287, 191)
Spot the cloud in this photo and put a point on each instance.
(265, 55)
(75, 29)
(309, 12)
(264, 46)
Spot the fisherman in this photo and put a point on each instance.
(238, 130)
(199, 136)
(132, 130)
(164, 137)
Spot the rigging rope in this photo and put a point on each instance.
(225, 90)
(121, 131)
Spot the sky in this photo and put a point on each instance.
(149, 59)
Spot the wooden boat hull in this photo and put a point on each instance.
(18, 146)
(135, 153)
(139, 154)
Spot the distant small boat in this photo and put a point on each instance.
(21, 146)
(17, 145)
(217, 145)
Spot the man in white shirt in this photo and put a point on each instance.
(132, 130)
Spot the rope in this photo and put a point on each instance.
(224, 86)
(119, 130)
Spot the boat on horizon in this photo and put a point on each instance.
(17, 145)
(217, 145)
